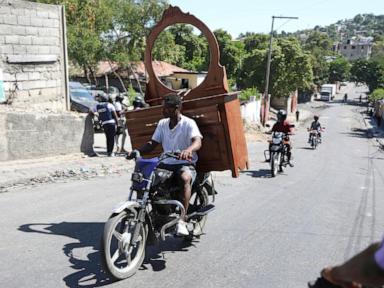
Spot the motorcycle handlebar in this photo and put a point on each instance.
(135, 154)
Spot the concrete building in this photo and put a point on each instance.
(354, 49)
(34, 102)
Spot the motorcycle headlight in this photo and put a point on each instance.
(276, 140)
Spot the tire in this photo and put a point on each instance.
(281, 161)
(199, 199)
(121, 267)
(313, 142)
(274, 163)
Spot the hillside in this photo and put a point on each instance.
(360, 25)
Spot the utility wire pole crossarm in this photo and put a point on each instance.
(265, 96)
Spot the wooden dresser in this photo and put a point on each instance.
(219, 120)
(216, 112)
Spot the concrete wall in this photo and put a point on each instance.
(24, 136)
(250, 111)
(32, 55)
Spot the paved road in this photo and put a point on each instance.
(266, 232)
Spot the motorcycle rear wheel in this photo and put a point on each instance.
(120, 258)
(199, 199)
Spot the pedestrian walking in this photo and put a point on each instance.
(360, 98)
(107, 114)
(121, 125)
(297, 115)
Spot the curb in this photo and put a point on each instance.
(373, 131)
(39, 171)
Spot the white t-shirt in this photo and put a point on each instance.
(177, 139)
(118, 106)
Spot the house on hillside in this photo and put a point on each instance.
(353, 49)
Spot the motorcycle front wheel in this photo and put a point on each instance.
(121, 257)
(313, 142)
(274, 163)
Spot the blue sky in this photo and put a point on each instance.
(255, 16)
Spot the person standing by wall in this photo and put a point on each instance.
(121, 125)
(107, 114)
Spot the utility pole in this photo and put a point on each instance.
(265, 97)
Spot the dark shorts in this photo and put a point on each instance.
(178, 169)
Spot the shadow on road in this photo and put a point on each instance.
(89, 271)
(359, 132)
(305, 148)
(262, 173)
(155, 256)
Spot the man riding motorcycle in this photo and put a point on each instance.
(177, 132)
(315, 126)
(282, 125)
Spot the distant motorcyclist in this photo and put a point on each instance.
(282, 125)
(139, 103)
(315, 126)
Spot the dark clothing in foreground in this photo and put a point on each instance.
(110, 132)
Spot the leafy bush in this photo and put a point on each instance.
(131, 93)
(247, 93)
(377, 94)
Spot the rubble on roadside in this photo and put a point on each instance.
(73, 172)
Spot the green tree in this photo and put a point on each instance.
(108, 29)
(196, 47)
(339, 70)
(377, 94)
(231, 52)
(369, 72)
(290, 68)
(319, 45)
(165, 49)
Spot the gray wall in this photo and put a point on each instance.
(32, 55)
(356, 51)
(24, 136)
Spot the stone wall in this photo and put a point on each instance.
(24, 136)
(32, 55)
